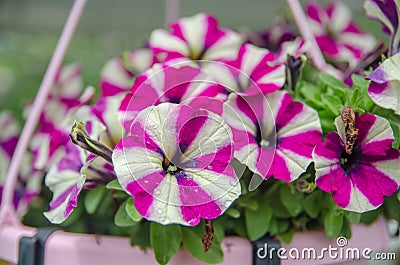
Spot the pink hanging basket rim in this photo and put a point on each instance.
(64, 248)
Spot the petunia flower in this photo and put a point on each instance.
(360, 180)
(67, 96)
(77, 169)
(175, 164)
(197, 38)
(384, 89)
(117, 74)
(29, 181)
(176, 82)
(295, 48)
(337, 35)
(254, 70)
(279, 32)
(386, 12)
(273, 135)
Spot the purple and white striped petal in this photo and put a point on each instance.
(198, 38)
(279, 32)
(48, 143)
(66, 182)
(359, 181)
(387, 12)
(105, 110)
(68, 83)
(337, 35)
(8, 140)
(254, 70)
(273, 135)
(118, 73)
(176, 164)
(295, 48)
(29, 181)
(178, 82)
(384, 89)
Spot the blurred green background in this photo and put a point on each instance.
(29, 31)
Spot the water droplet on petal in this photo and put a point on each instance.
(192, 221)
(209, 167)
(157, 191)
(160, 211)
(146, 181)
(164, 220)
(232, 182)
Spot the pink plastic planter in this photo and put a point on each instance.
(81, 249)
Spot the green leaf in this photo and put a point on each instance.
(279, 226)
(392, 207)
(278, 209)
(370, 217)
(346, 228)
(131, 210)
(353, 217)
(333, 103)
(165, 241)
(114, 185)
(359, 81)
(93, 198)
(239, 226)
(287, 236)
(311, 93)
(333, 223)
(292, 199)
(120, 195)
(219, 229)
(333, 83)
(248, 203)
(191, 239)
(257, 222)
(140, 235)
(312, 204)
(122, 218)
(234, 213)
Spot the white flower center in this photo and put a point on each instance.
(264, 143)
(172, 168)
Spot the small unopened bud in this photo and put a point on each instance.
(80, 137)
(294, 66)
